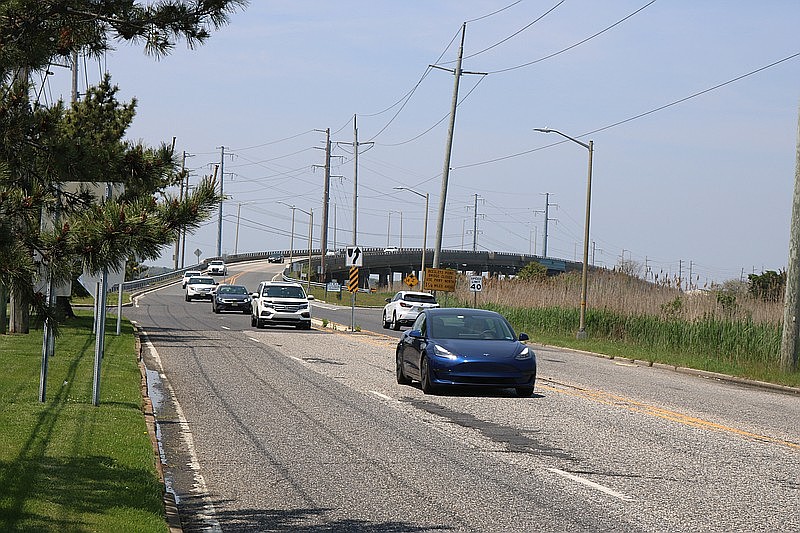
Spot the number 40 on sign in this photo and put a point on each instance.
(476, 283)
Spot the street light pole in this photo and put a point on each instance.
(424, 233)
(291, 238)
(585, 271)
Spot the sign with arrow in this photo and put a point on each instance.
(355, 257)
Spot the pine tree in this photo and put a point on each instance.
(41, 149)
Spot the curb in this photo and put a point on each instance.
(688, 371)
(170, 505)
(679, 369)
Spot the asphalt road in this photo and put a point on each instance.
(284, 430)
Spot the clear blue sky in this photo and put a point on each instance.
(707, 181)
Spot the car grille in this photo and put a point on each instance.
(283, 308)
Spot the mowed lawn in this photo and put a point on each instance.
(66, 465)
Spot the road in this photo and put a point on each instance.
(284, 430)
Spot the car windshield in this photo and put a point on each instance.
(420, 298)
(217, 263)
(283, 292)
(190, 274)
(201, 281)
(484, 327)
(232, 289)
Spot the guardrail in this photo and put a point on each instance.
(298, 255)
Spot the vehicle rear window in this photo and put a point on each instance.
(234, 289)
(420, 298)
(206, 281)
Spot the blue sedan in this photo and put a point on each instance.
(465, 347)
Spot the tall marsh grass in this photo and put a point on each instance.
(714, 330)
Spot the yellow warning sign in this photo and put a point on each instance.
(410, 280)
(440, 279)
(352, 282)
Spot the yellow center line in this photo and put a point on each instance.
(606, 398)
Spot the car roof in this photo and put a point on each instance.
(217, 261)
(192, 273)
(231, 285)
(450, 311)
(281, 284)
(414, 293)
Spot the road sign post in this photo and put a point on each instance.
(352, 286)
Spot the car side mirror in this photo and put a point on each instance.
(310, 297)
(523, 337)
(388, 300)
(415, 334)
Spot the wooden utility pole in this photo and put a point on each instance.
(791, 301)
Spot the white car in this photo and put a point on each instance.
(188, 274)
(200, 287)
(217, 267)
(280, 303)
(402, 310)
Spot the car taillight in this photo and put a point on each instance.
(403, 304)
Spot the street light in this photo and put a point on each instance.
(291, 238)
(310, 235)
(585, 272)
(424, 233)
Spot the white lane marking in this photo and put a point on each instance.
(379, 395)
(208, 514)
(226, 327)
(296, 359)
(624, 364)
(592, 484)
(253, 339)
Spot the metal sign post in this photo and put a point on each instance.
(352, 286)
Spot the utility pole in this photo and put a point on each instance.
(691, 264)
(221, 193)
(475, 215)
(791, 301)
(457, 72)
(680, 275)
(547, 218)
(355, 182)
(180, 196)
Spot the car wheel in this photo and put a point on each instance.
(395, 323)
(425, 377)
(524, 392)
(384, 321)
(188, 298)
(402, 379)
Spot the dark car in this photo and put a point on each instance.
(275, 258)
(231, 298)
(465, 347)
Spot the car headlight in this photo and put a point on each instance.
(303, 306)
(524, 355)
(443, 352)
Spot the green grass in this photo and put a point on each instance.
(738, 348)
(66, 464)
(111, 299)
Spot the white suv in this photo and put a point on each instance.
(402, 310)
(279, 302)
(217, 267)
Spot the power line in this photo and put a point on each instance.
(617, 23)
(516, 32)
(640, 115)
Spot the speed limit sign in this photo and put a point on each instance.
(476, 283)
